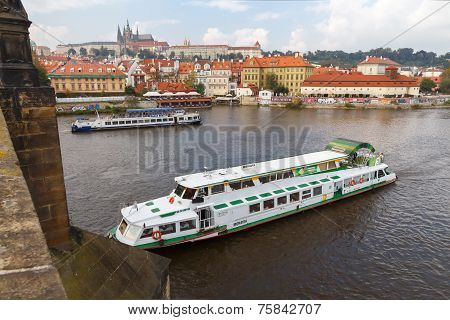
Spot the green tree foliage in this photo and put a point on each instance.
(427, 85)
(191, 80)
(172, 55)
(281, 90)
(43, 76)
(71, 52)
(271, 81)
(129, 90)
(83, 51)
(200, 88)
(146, 54)
(445, 83)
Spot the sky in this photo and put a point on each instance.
(297, 25)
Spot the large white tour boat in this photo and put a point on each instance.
(214, 203)
(137, 118)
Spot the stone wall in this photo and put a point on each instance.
(26, 270)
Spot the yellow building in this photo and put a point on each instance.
(86, 78)
(289, 71)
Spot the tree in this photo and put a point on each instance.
(43, 76)
(129, 90)
(95, 52)
(200, 88)
(71, 52)
(146, 54)
(83, 51)
(445, 86)
(271, 81)
(172, 55)
(281, 89)
(190, 81)
(427, 85)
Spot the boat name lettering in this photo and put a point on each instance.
(240, 223)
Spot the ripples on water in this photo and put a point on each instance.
(391, 243)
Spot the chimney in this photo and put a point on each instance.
(367, 58)
(392, 72)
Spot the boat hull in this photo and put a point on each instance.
(222, 230)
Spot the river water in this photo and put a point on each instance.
(392, 243)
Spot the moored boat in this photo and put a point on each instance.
(214, 203)
(137, 118)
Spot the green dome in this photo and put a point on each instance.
(32, 43)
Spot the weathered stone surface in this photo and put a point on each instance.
(25, 264)
(101, 268)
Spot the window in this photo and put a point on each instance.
(264, 179)
(273, 177)
(281, 200)
(380, 174)
(247, 183)
(279, 175)
(202, 192)
(373, 175)
(179, 190)
(115, 122)
(269, 204)
(293, 197)
(121, 122)
(134, 121)
(147, 233)
(187, 225)
(189, 193)
(236, 185)
(158, 120)
(288, 174)
(107, 123)
(123, 226)
(323, 166)
(254, 208)
(218, 188)
(167, 228)
(306, 194)
(317, 191)
(128, 122)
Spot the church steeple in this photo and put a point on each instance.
(119, 34)
(137, 31)
(128, 26)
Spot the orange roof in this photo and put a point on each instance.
(221, 65)
(357, 80)
(276, 62)
(173, 87)
(82, 68)
(322, 70)
(379, 60)
(186, 67)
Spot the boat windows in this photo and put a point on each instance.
(317, 191)
(170, 119)
(167, 228)
(179, 190)
(147, 120)
(373, 175)
(323, 166)
(189, 193)
(134, 121)
(123, 226)
(147, 233)
(365, 177)
(235, 185)
(254, 208)
(387, 171)
(331, 165)
(128, 122)
(281, 200)
(264, 179)
(187, 225)
(293, 197)
(269, 204)
(121, 122)
(107, 123)
(218, 188)
(279, 175)
(247, 183)
(380, 174)
(202, 192)
(288, 174)
(347, 182)
(115, 123)
(158, 120)
(306, 194)
(141, 121)
(153, 120)
(273, 177)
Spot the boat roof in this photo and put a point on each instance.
(200, 179)
(347, 146)
(151, 110)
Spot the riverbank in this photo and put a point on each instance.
(360, 106)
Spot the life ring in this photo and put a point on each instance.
(171, 200)
(352, 183)
(156, 235)
(361, 180)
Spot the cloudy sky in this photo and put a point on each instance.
(307, 25)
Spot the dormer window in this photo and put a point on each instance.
(113, 70)
(72, 70)
(100, 70)
(108, 69)
(63, 69)
(91, 70)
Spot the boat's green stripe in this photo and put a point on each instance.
(149, 203)
(314, 183)
(291, 188)
(155, 210)
(252, 198)
(303, 185)
(221, 206)
(324, 180)
(236, 202)
(167, 214)
(265, 195)
(278, 191)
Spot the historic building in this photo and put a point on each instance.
(86, 78)
(375, 65)
(289, 71)
(126, 39)
(356, 84)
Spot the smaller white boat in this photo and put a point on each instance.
(136, 118)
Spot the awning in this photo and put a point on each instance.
(349, 147)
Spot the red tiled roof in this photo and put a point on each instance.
(81, 68)
(276, 62)
(358, 80)
(186, 67)
(221, 65)
(202, 46)
(173, 87)
(379, 60)
(323, 70)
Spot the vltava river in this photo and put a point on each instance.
(392, 243)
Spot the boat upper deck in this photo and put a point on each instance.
(255, 169)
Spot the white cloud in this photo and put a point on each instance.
(44, 39)
(296, 41)
(240, 37)
(47, 6)
(228, 5)
(263, 16)
(352, 25)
